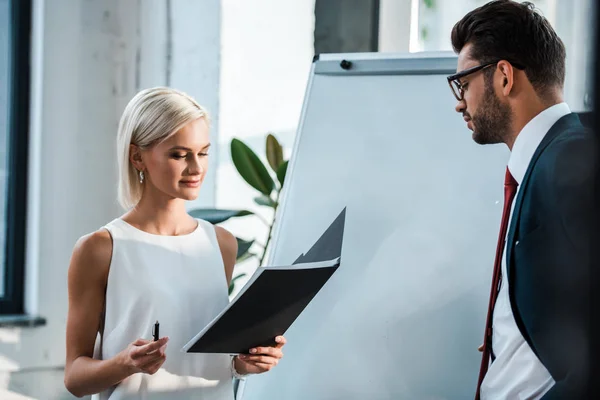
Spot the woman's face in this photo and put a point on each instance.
(177, 166)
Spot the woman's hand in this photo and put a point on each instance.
(144, 355)
(260, 359)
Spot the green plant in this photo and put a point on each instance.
(267, 181)
(429, 3)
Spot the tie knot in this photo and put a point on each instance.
(509, 180)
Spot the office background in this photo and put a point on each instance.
(67, 69)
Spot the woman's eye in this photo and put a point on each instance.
(180, 156)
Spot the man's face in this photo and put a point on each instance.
(486, 115)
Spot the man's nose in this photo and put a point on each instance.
(461, 107)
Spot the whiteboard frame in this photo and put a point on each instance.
(425, 63)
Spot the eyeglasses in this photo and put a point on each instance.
(454, 80)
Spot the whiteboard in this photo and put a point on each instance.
(404, 314)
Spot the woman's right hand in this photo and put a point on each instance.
(145, 355)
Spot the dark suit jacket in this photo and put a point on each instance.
(549, 255)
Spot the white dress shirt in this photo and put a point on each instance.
(517, 373)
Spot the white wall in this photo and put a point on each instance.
(179, 47)
(89, 59)
(394, 25)
(266, 53)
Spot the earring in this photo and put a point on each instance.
(141, 176)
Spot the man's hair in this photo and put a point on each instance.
(515, 32)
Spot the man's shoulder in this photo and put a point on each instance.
(568, 162)
(570, 140)
(568, 123)
(574, 142)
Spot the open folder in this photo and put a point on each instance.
(272, 299)
(265, 308)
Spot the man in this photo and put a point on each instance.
(509, 87)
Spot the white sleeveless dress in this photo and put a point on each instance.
(179, 281)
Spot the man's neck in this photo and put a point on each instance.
(525, 111)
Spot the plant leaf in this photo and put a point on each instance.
(243, 247)
(429, 3)
(263, 200)
(216, 216)
(235, 278)
(274, 152)
(245, 257)
(281, 171)
(251, 168)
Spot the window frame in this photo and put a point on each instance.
(13, 299)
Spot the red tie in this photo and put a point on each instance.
(510, 189)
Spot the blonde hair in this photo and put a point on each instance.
(151, 116)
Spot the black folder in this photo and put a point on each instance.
(272, 299)
(265, 308)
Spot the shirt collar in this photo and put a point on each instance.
(530, 138)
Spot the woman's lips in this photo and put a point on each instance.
(190, 183)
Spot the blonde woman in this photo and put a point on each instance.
(155, 262)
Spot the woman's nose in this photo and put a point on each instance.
(195, 167)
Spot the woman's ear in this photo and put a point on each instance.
(135, 157)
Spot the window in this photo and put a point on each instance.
(15, 30)
(436, 19)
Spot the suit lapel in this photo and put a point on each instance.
(560, 126)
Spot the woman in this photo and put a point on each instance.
(154, 263)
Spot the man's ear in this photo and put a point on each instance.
(506, 76)
(135, 157)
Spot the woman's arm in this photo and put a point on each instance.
(260, 359)
(88, 273)
(229, 247)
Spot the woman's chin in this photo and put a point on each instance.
(188, 194)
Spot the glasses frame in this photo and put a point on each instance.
(456, 86)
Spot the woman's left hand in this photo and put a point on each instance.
(260, 359)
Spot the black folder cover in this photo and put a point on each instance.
(272, 299)
(266, 307)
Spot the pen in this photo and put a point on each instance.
(155, 331)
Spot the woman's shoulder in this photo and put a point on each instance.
(229, 248)
(228, 243)
(93, 252)
(94, 242)
(226, 239)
